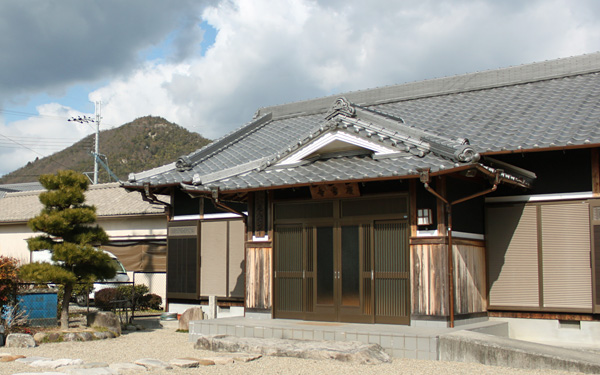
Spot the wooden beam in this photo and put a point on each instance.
(596, 171)
(412, 191)
(440, 188)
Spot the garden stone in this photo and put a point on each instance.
(194, 313)
(28, 360)
(40, 337)
(10, 358)
(104, 319)
(345, 351)
(123, 368)
(151, 363)
(220, 360)
(71, 336)
(184, 363)
(20, 340)
(53, 364)
(54, 337)
(93, 371)
(85, 336)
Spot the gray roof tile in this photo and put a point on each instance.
(109, 199)
(545, 105)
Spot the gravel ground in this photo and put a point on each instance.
(166, 344)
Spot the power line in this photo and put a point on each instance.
(32, 150)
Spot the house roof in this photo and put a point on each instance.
(109, 199)
(441, 125)
(24, 186)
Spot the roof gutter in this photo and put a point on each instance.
(215, 199)
(148, 196)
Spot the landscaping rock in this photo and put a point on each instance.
(40, 337)
(94, 365)
(184, 363)
(151, 364)
(104, 335)
(71, 336)
(86, 336)
(243, 357)
(202, 361)
(220, 360)
(122, 368)
(10, 358)
(346, 351)
(104, 319)
(53, 364)
(194, 313)
(28, 360)
(54, 337)
(20, 340)
(93, 371)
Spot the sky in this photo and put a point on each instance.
(209, 65)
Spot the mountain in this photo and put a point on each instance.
(142, 144)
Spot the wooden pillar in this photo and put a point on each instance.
(412, 204)
(440, 188)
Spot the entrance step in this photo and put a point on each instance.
(398, 341)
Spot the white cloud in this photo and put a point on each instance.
(36, 137)
(269, 53)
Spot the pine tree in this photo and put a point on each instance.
(70, 234)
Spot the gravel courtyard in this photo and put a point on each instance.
(165, 344)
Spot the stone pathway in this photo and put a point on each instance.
(66, 366)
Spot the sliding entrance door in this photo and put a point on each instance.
(342, 269)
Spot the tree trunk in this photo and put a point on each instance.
(64, 313)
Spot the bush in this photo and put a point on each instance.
(8, 280)
(104, 298)
(151, 301)
(133, 293)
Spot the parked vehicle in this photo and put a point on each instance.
(82, 299)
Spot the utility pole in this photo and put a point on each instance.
(86, 120)
(97, 110)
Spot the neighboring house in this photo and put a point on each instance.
(136, 229)
(14, 188)
(437, 201)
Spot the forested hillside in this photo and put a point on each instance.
(142, 144)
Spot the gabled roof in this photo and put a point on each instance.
(109, 199)
(442, 125)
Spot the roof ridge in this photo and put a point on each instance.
(519, 74)
(188, 161)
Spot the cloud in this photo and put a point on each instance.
(268, 53)
(49, 44)
(25, 140)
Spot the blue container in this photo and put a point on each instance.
(40, 307)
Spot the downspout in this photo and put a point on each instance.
(425, 179)
(215, 199)
(147, 196)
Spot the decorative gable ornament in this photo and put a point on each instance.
(183, 164)
(341, 106)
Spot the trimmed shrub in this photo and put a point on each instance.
(151, 301)
(131, 293)
(104, 298)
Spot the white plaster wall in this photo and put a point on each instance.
(551, 332)
(13, 236)
(119, 228)
(156, 282)
(12, 241)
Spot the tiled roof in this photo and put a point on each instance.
(109, 199)
(544, 105)
(24, 186)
